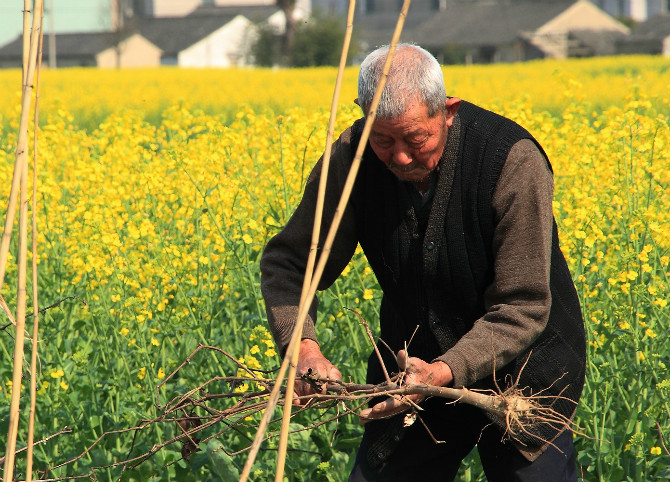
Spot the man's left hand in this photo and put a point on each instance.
(417, 372)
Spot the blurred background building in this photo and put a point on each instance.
(228, 33)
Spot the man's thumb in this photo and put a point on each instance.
(402, 359)
(334, 373)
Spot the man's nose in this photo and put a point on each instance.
(402, 157)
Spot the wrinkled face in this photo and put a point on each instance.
(411, 145)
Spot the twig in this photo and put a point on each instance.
(54, 305)
(64, 430)
(660, 437)
(5, 308)
(374, 345)
(8, 312)
(411, 337)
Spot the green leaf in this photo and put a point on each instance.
(219, 462)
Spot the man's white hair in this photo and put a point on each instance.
(414, 75)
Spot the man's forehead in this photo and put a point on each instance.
(416, 120)
(386, 128)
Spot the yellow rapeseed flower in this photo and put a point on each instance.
(43, 388)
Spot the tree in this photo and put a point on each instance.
(264, 50)
(317, 41)
(288, 7)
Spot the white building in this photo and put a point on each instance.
(638, 10)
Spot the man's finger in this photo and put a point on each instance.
(334, 373)
(402, 359)
(385, 409)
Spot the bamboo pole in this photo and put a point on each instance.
(20, 182)
(26, 41)
(302, 311)
(36, 310)
(22, 146)
(316, 230)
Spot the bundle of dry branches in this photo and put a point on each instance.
(220, 406)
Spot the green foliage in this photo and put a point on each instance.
(265, 49)
(453, 54)
(318, 42)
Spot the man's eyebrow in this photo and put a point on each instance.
(379, 134)
(417, 133)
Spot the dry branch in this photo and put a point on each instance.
(660, 437)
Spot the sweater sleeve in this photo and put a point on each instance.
(518, 300)
(285, 257)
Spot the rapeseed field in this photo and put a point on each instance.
(159, 188)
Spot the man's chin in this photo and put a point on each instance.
(415, 175)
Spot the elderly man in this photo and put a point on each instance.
(452, 206)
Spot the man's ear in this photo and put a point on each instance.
(451, 107)
(358, 103)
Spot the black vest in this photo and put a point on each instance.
(436, 278)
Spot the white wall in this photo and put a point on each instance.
(638, 10)
(136, 51)
(174, 8)
(226, 47)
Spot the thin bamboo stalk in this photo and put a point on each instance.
(26, 41)
(351, 178)
(24, 81)
(21, 149)
(21, 172)
(302, 311)
(36, 311)
(318, 215)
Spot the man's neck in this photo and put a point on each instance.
(422, 185)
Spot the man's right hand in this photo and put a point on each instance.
(310, 357)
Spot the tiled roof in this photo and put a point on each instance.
(486, 23)
(656, 27)
(87, 44)
(174, 34)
